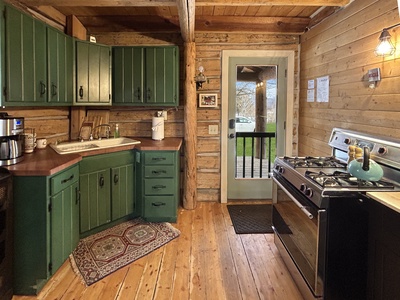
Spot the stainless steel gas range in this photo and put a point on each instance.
(320, 214)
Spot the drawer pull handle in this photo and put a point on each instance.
(158, 187)
(42, 88)
(81, 92)
(67, 179)
(158, 158)
(53, 89)
(158, 203)
(159, 172)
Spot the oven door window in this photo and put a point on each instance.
(301, 234)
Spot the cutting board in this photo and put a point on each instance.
(98, 117)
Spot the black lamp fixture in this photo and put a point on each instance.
(200, 78)
(385, 46)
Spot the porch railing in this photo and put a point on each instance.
(259, 159)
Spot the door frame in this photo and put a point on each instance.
(226, 55)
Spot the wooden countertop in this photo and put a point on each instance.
(46, 162)
(389, 199)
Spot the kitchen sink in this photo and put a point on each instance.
(74, 147)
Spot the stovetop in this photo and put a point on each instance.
(314, 162)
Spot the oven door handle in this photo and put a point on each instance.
(302, 208)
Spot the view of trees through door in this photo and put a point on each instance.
(256, 100)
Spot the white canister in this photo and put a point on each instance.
(157, 128)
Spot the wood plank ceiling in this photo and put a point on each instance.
(188, 16)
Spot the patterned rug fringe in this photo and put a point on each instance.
(76, 269)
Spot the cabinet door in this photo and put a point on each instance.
(64, 224)
(161, 76)
(60, 60)
(122, 191)
(128, 75)
(93, 74)
(95, 205)
(25, 59)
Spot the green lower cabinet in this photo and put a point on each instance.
(46, 213)
(158, 185)
(107, 190)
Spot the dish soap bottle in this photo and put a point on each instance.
(116, 132)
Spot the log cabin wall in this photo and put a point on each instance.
(209, 47)
(342, 47)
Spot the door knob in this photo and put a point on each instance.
(231, 135)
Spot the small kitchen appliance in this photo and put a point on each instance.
(320, 213)
(11, 139)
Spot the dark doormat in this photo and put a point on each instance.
(251, 218)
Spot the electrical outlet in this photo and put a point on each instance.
(212, 129)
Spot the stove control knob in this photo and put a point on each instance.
(309, 192)
(347, 141)
(281, 170)
(382, 150)
(303, 187)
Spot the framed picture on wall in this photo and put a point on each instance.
(208, 100)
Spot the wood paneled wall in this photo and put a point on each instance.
(342, 47)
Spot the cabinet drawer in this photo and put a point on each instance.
(64, 179)
(159, 171)
(159, 158)
(159, 186)
(158, 208)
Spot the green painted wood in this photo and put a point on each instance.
(93, 74)
(122, 189)
(60, 67)
(64, 224)
(35, 226)
(64, 179)
(157, 185)
(116, 199)
(146, 76)
(26, 59)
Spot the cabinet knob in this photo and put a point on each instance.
(116, 178)
(101, 181)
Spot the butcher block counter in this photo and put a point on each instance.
(46, 162)
(389, 199)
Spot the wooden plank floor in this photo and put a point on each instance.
(207, 261)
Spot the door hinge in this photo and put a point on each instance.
(50, 267)
(5, 92)
(286, 73)
(284, 125)
(49, 207)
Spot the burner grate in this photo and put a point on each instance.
(314, 162)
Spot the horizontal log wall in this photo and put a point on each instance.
(342, 47)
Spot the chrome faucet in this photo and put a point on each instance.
(108, 130)
(85, 125)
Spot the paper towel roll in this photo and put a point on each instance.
(157, 128)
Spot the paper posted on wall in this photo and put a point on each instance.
(323, 89)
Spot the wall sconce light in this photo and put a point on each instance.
(200, 78)
(259, 84)
(385, 46)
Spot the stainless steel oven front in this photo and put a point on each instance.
(301, 227)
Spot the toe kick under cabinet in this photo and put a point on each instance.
(158, 185)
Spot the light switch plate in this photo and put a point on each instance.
(212, 129)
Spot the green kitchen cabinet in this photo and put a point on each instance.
(93, 74)
(26, 76)
(158, 185)
(46, 218)
(60, 67)
(107, 190)
(146, 76)
(39, 62)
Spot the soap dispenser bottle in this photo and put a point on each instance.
(116, 132)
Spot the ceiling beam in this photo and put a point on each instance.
(150, 3)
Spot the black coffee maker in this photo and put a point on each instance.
(11, 139)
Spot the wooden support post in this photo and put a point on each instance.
(190, 118)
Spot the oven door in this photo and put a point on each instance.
(301, 228)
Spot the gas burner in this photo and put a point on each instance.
(345, 180)
(314, 162)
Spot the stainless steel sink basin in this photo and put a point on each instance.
(74, 147)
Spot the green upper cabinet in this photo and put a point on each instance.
(39, 62)
(93, 74)
(26, 76)
(60, 67)
(146, 76)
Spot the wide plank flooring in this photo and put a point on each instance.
(207, 261)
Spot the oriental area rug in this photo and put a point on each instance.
(99, 255)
